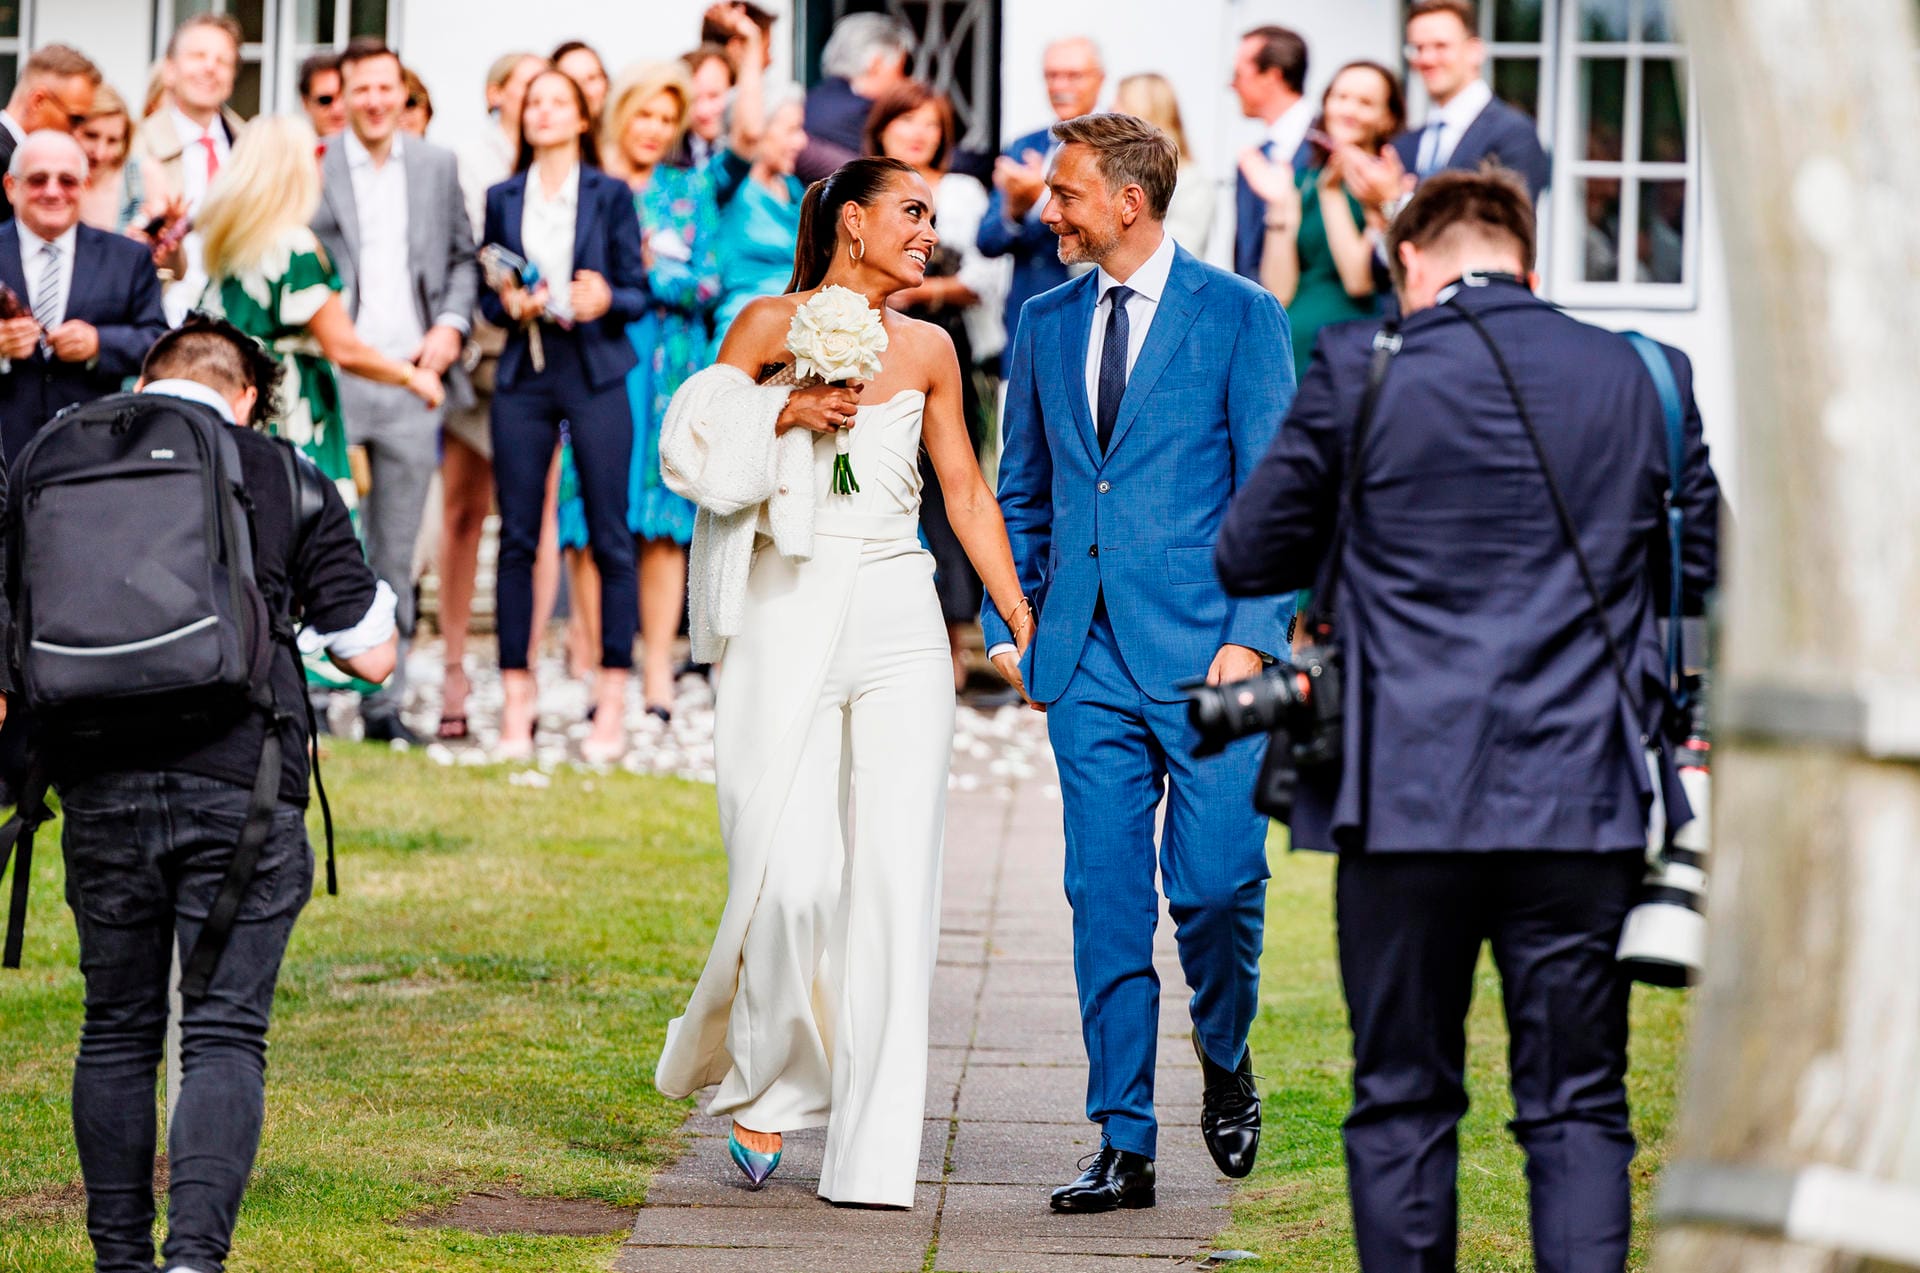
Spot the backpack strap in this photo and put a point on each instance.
(196, 970)
(1670, 406)
(18, 833)
(309, 489)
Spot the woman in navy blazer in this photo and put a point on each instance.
(576, 225)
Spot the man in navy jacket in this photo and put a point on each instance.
(1466, 125)
(94, 297)
(1012, 225)
(1495, 786)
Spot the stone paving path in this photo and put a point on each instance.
(1006, 1090)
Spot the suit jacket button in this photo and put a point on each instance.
(1104, 487)
(1094, 551)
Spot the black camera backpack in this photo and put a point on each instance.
(130, 541)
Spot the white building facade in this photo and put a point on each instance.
(1627, 233)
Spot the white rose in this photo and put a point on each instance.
(836, 336)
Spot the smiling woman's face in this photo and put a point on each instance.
(897, 231)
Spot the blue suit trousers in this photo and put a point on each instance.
(1119, 752)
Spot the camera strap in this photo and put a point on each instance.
(1319, 618)
(1566, 519)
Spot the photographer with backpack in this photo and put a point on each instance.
(158, 557)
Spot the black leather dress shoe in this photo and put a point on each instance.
(1116, 1179)
(390, 729)
(1229, 1112)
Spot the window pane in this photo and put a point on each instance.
(1603, 93)
(1516, 81)
(369, 17)
(1663, 232)
(9, 71)
(1603, 20)
(1517, 21)
(9, 29)
(1663, 111)
(246, 90)
(1602, 250)
(252, 15)
(1656, 22)
(313, 22)
(184, 9)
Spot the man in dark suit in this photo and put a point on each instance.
(1012, 225)
(1496, 786)
(865, 59)
(94, 297)
(1466, 125)
(394, 224)
(55, 91)
(1270, 79)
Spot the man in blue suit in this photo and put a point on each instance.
(1012, 225)
(1141, 396)
(93, 298)
(1495, 787)
(1466, 124)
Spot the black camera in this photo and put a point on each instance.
(1298, 704)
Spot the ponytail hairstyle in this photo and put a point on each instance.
(860, 181)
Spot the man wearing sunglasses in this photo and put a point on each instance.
(55, 91)
(322, 96)
(84, 304)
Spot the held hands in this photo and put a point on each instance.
(822, 408)
(591, 296)
(425, 385)
(439, 350)
(1021, 625)
(1233, 663)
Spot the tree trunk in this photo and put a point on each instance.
(1806, 1036)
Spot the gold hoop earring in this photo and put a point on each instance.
(862, 245)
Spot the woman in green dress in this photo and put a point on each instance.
(1319, 247)
(269, 277)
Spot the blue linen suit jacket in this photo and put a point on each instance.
(1137, 525)
(1033, 247)
(606, 240)
(1507, 136)
(116, 289)
(1482, 709)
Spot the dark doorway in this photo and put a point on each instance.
(959, 53)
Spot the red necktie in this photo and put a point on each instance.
(213, 156)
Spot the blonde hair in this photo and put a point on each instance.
(1154, 96)
(269, 185)
(637, 86)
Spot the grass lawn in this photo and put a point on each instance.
(1293, 1209)
(481, 1006)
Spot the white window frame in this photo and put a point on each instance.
(293, 52)
(276, 53)
(21, 41)
(1566, 234)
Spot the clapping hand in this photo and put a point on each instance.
(1020, 182)
(1274, 183)
(1375, 180)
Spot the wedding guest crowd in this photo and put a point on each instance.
(650, 202)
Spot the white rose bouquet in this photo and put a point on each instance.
(835, 337)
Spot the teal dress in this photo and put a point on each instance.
(1321, 298)
(677, 207)
(758, 232)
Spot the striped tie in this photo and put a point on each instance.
(46, 297)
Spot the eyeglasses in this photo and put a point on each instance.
(76, 121)
(41, 180)
(324, 99)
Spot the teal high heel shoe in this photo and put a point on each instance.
(753, 1164)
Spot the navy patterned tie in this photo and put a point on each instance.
(1113, 365)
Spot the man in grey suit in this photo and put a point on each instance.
(395, 226)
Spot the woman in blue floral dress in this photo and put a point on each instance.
(645, 117)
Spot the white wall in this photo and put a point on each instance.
(116, 34)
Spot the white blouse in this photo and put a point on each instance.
(961, 205)
(546, 231)
(1190, 211)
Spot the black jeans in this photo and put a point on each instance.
(1410, 930)
(146, 855)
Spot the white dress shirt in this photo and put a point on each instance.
(546, 232)
(33, 265)
(1446, 125)
(194, 391)
(385, 314)
(1287, 134)
(1149, 283)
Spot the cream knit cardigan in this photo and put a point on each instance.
(718, 448)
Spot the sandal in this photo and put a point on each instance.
(452, 729)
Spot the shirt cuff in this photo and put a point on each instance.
(375, 626)
(459, 322)
(1004, 647)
